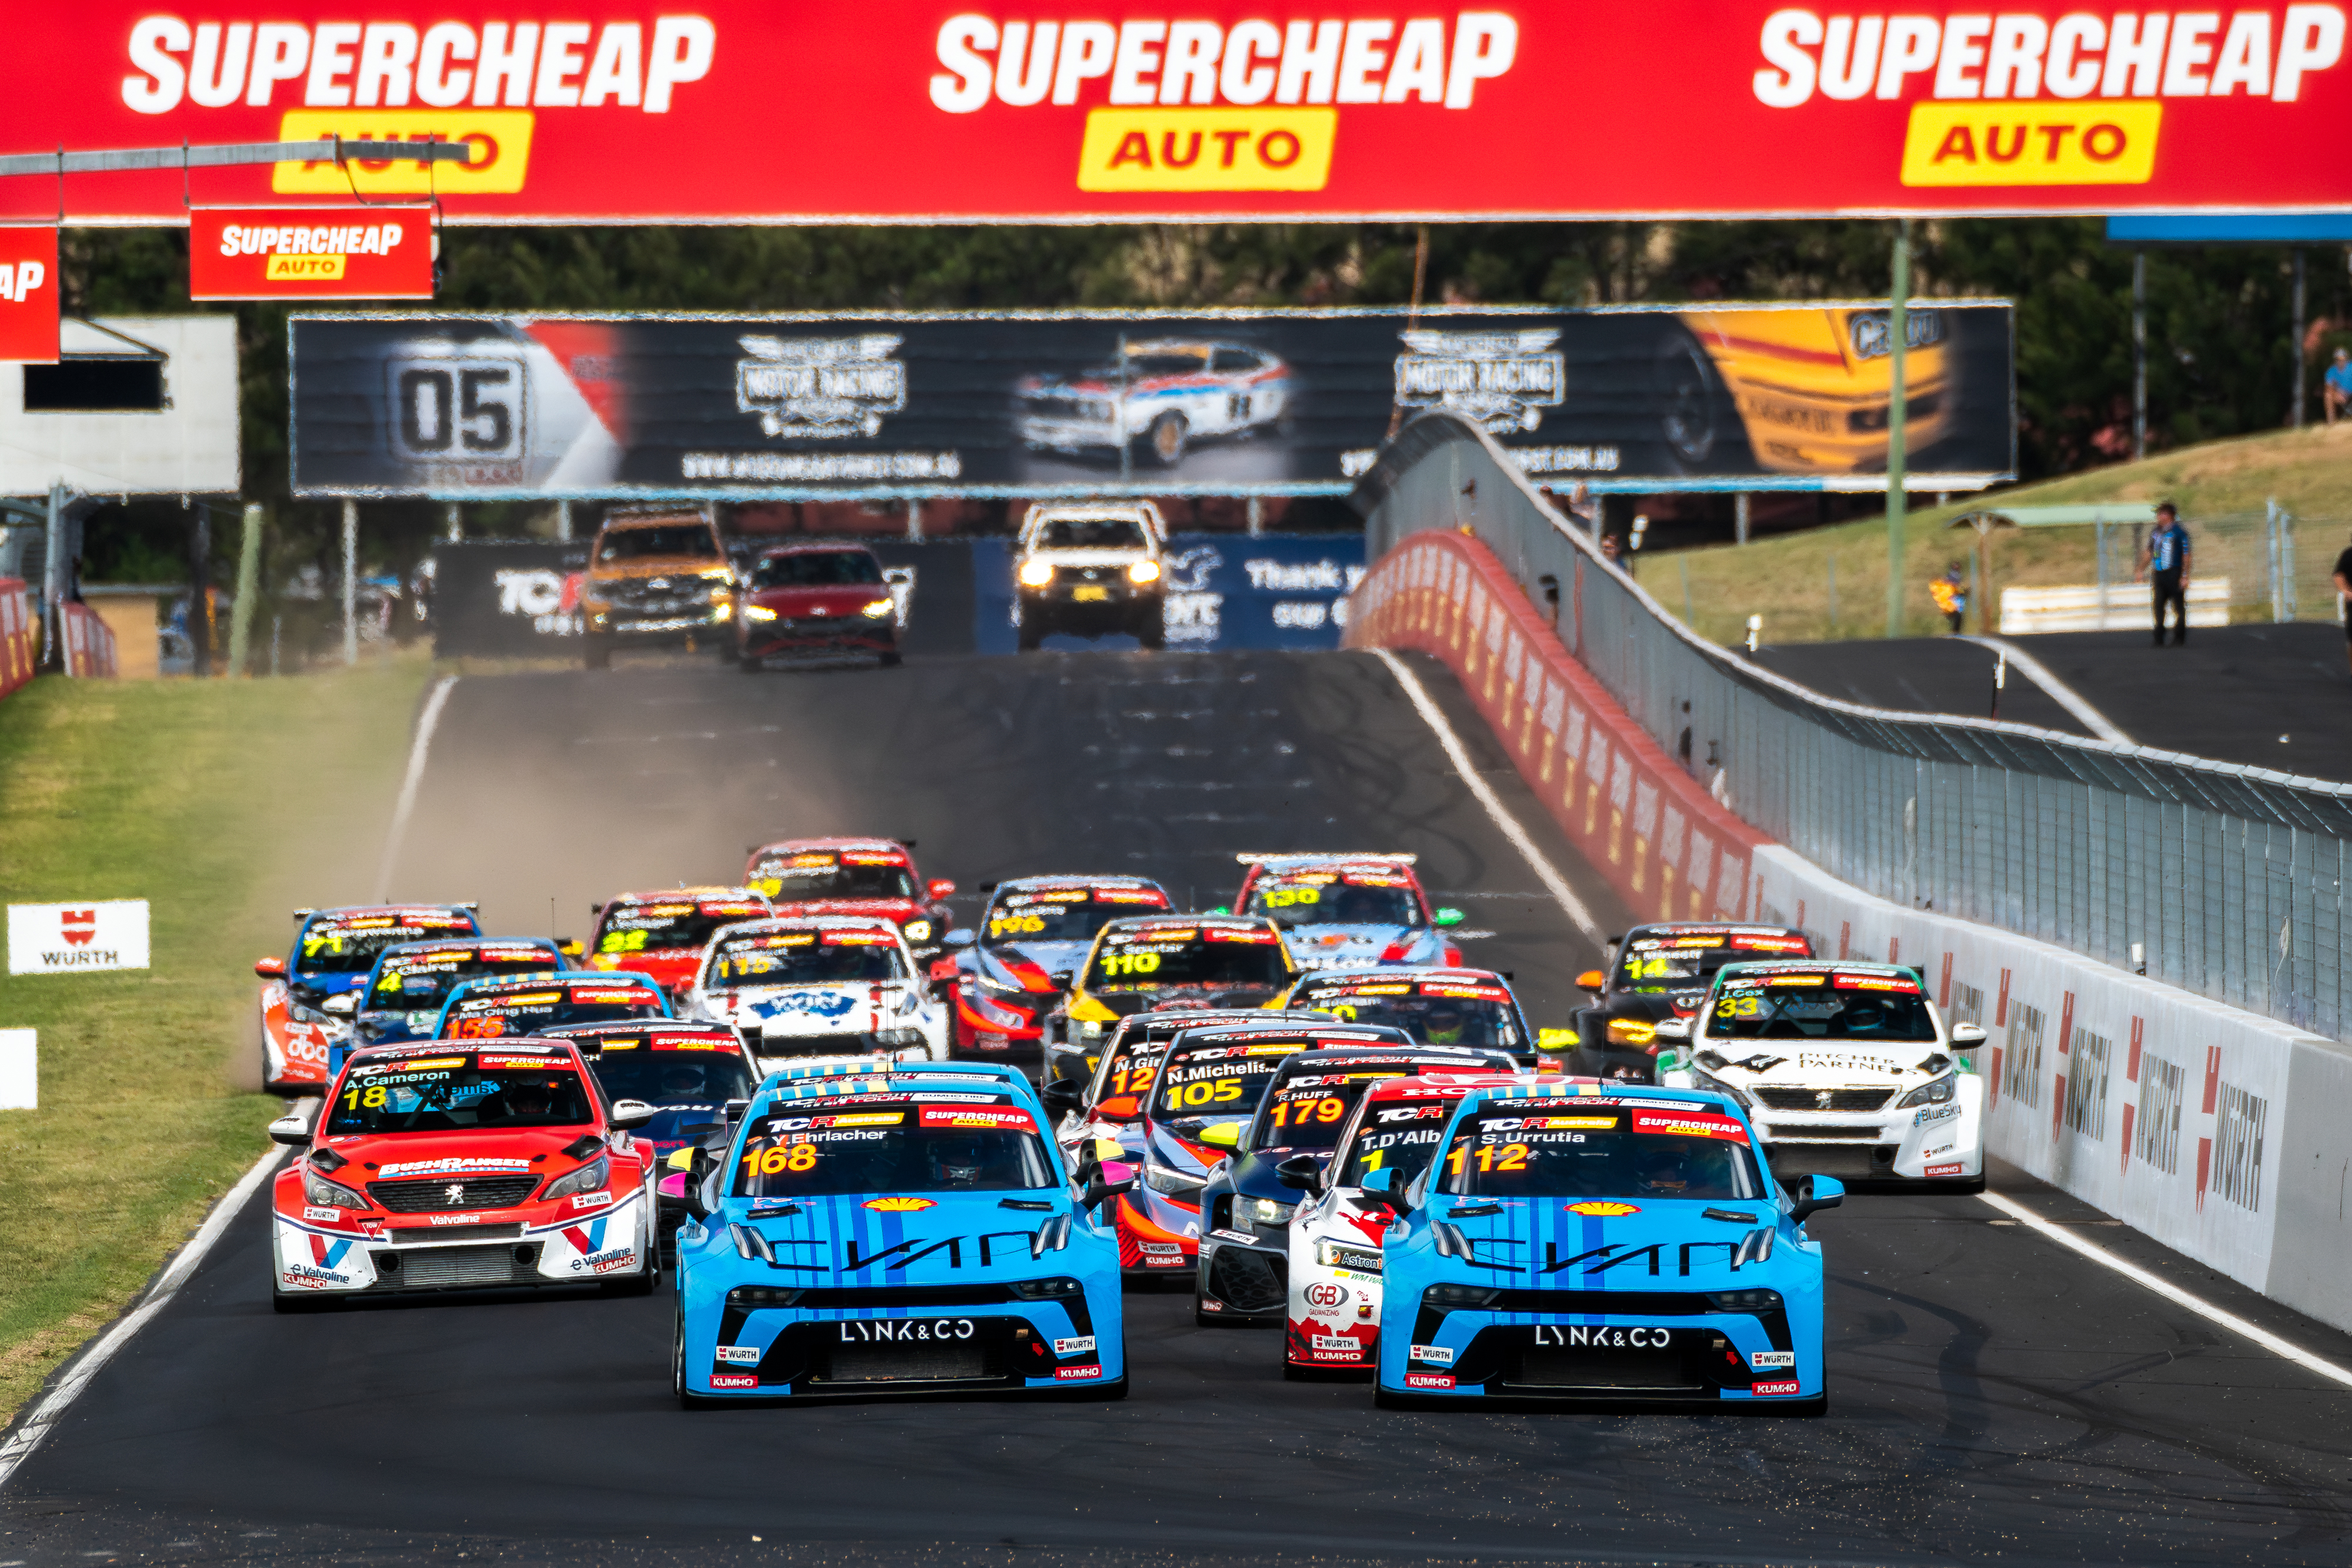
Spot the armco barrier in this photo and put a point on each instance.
(20, 635)
(1668, 847)
(89, 641)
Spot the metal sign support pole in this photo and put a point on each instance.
(351, 581)
(2140, 355)
(1898, 328)
(2294, 415)
(53, 577)
(248, 593)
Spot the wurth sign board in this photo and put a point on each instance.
(28, 295)
(311, 253)
(746, 111)
(73, 938)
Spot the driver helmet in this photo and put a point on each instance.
(1443, 1025)
(955, 1162)
(1664, 1171)
(682, 1077)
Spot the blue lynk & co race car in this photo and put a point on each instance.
(1618, 1243)
(895, 1228)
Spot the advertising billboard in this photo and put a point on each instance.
(1228, 403)
(135, 405)
(311, 253)
(747, 111)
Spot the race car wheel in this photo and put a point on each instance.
(749, 665)
(1292, 1372)
(1150, 625)
(678, 1367)
(1166, 438)
(1032, 633)
(890, 660)
(633, 1285)
(596, 653)
(1388, 1401)
(288, 1301)
(1685, 387)
(1804, 1410)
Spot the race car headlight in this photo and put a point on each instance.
(897, 1037)
(1444, 1296)
(1266, 1211)
(325, 1194)
(1935, 1094)
(1631, 1032)
(918, 930)
(1036, 573)
(1709, 1080)
(1046, 1290)
(590, 1177)
(876, 608)
(1745, 1301)
(1175, 1184)
(758, 612)
(301, 1013)
(1143, 571)
(762, 1296)
(1339, 1255)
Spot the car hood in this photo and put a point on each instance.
(1656, 1005)
(324, 985)
(1359, 946)
(1019, 960)
(637, 567)
(1600, 1244)
(671, 967)
(397, 1157)
(1126, 1003)
(1796, 1063)
(835, 600)
(1181, 1154)
(394, 1025)
(812, 1010)
(1254, 1176)
(896, 910)
(895, 1239)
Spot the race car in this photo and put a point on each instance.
(1103, 1113)
(1143, 962)
(402, 995)
(909, 1230)
(1436, 1006)
(447, 1166)
(663, 932)
(688, 1072)
(815, 599)
(1246, 1206)
(1602, 1242)
(333, 951)
(1333, 1282)
(1658, 972)
(1168, 393)
(1849, 1070)
(485, 1009)
(1202, 1096)
(1348, 912)
(855, 876)
(818, 985)
(1004, 977)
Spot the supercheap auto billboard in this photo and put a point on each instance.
(890, 111)
(1272, 401)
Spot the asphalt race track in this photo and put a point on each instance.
(1995, 1398)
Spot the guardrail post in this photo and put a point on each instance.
(350, 583)
(1898, 328)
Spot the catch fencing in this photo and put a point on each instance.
(2227, 881)
(2274, 564)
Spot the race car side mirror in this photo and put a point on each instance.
(1815, 1193)
(292, 1129)
(270, 968)
(1099, 1192)
(1968, 1034)
(1591, 980)
(342, 1006)
(1450, 918)
(1063, 1097)
(1670, 1028)
(1304, 1172)
(940, 887)
(1382, 1184)
(961, 937)
(697, 1169)
(569, 948)
(1222, 1136)
(632, 1113)
(1060, 979)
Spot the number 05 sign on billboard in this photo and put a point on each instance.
(748, 110)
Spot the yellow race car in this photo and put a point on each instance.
(1148, 961)
(1812, 386)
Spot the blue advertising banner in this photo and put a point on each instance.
(1225, 590)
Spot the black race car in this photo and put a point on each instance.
(1658, 972)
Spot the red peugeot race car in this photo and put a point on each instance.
(663, 932)
(299, 1017)
(454, 1165)
(855, 876)
(815, 599)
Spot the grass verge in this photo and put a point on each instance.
(221, 802)
(1787, 580)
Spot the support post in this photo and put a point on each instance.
(2294, 414)
(200, 596)
(2139, 354)
(2099, 534)
(1256, 515)
(1739, 517)
(248, 589)
(350, 583)
(563, 522)
(457, 524)
(53, 577)
(914, 520)
(1898, 328)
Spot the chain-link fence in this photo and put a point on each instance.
(2225, 881)
(2279, 565)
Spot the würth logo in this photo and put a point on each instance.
(79, 924)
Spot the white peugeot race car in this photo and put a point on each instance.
(1349, 911)
(818, 985)
(1847, 1070)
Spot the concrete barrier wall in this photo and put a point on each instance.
(2220, 1132)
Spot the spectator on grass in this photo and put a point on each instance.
(2336, 386)
(1950, 592)
(2343, 593)
(2164, 562)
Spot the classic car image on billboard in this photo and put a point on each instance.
(1160, 397)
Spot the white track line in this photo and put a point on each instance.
(1545, 873)
(427, 723)
(2170, 1291)
(28, 1434)
(2070, 699)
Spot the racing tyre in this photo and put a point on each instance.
(596, 653)
(286, 1302)
(1686, 385)
(1166, 439)
(749, 666)
(1152, 626)
(635, 1285)
(1806, 1409)
(1031, 635)
(1388, 1401)
(890, 660)
(1292, 1372)
(677, 1366)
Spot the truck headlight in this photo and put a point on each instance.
(758, 612)
(1036, 573)
(1935, 1094)
(1143, 571)
(876, 608)
(918, 930)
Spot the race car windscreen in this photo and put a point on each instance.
(821, 874)
(467, 1093)
(1212, 958)
(1629, 1153)
(1304, 1115)
(1336, 898)
(1468, 1014)
(1090, 533)
(350, 945)
(1826, 1005)
(1213, 1080)
(683, 1084)
(817, 568)
(412, 982)
(806, 958)
(664, 928)
(528, 1013)
(1672, 963)
(688, 540)
(902, 1144)
(1400, 1138)
(1065, 914)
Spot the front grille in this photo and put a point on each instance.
(449, 1268)
(1847, 1162)
(1847, 1100)
(919, 1362)
(450, 1194)
(1821, 1134)
(1619, 1371)
(775, 1045)
(411, 1235)
(1249, 1281)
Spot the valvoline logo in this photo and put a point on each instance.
(328, 1254)
(588, 1237)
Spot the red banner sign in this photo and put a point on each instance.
(311, 253)
(28, 295)
(897, 112)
